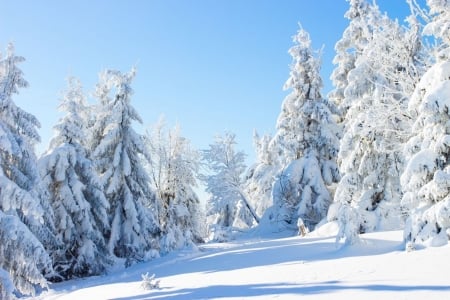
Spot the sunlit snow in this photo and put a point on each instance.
(265, 265)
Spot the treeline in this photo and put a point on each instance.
(101, 194)
(372, 155)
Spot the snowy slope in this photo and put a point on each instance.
(310, 267)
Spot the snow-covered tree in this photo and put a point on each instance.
(363, 18)
(228, 205)
(439, 27)
(19, 135)
(356, 36)
(371, 161)
(118, 154)
(75, 193)
(261, 176)
(426, 179)
(18, 180)
(23, 259)
(308, 138)
(173, 167)
(376, 126)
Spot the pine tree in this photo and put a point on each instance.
(363, 18)
(426, 179)
(376, 126)
(23, 259)
(118, 154)
(174, 167)
(20, 160)
(261, 176)
(439, 27)
(22, 255)
(75, 193)
(228, 205)
(308, 137)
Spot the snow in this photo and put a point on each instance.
(360, 132)
(264, 265)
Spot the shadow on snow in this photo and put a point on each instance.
(263, 253)
(220, 291)
(234, 256)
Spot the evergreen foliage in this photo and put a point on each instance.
(103, 193)
(307, 137)
(23, 258)
(261, 175)
(118, 152)
(376, 125)
(75, 193)
(426, 179)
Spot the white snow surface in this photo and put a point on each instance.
(263, 265)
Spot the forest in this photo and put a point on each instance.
(372, 155)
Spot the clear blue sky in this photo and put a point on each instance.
(208, 65)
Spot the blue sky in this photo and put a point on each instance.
(209, 65)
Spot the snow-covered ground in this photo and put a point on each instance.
(270, 266)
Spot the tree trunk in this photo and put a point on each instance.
(252, 211)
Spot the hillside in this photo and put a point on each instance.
(269, 266)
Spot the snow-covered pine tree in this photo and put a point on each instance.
(80, 120)
(23, 258)
(308, 137)
(98, 115)
(356, 36)
(376, 127)
(354, 40)
(174, 167)
(261, 176)
(75, 193)
(228, 206)
(426, 179)
(439, 27)
(118, 154)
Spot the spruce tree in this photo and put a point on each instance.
(261, 175)
(376, 127)
(426, 179)
(25, 220)
(118, 151)
(362, 18)
(308, 138)
(75, 193)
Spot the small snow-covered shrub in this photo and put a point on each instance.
(302, 229)
(149, 282)
(410, 247)
(220, 234)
